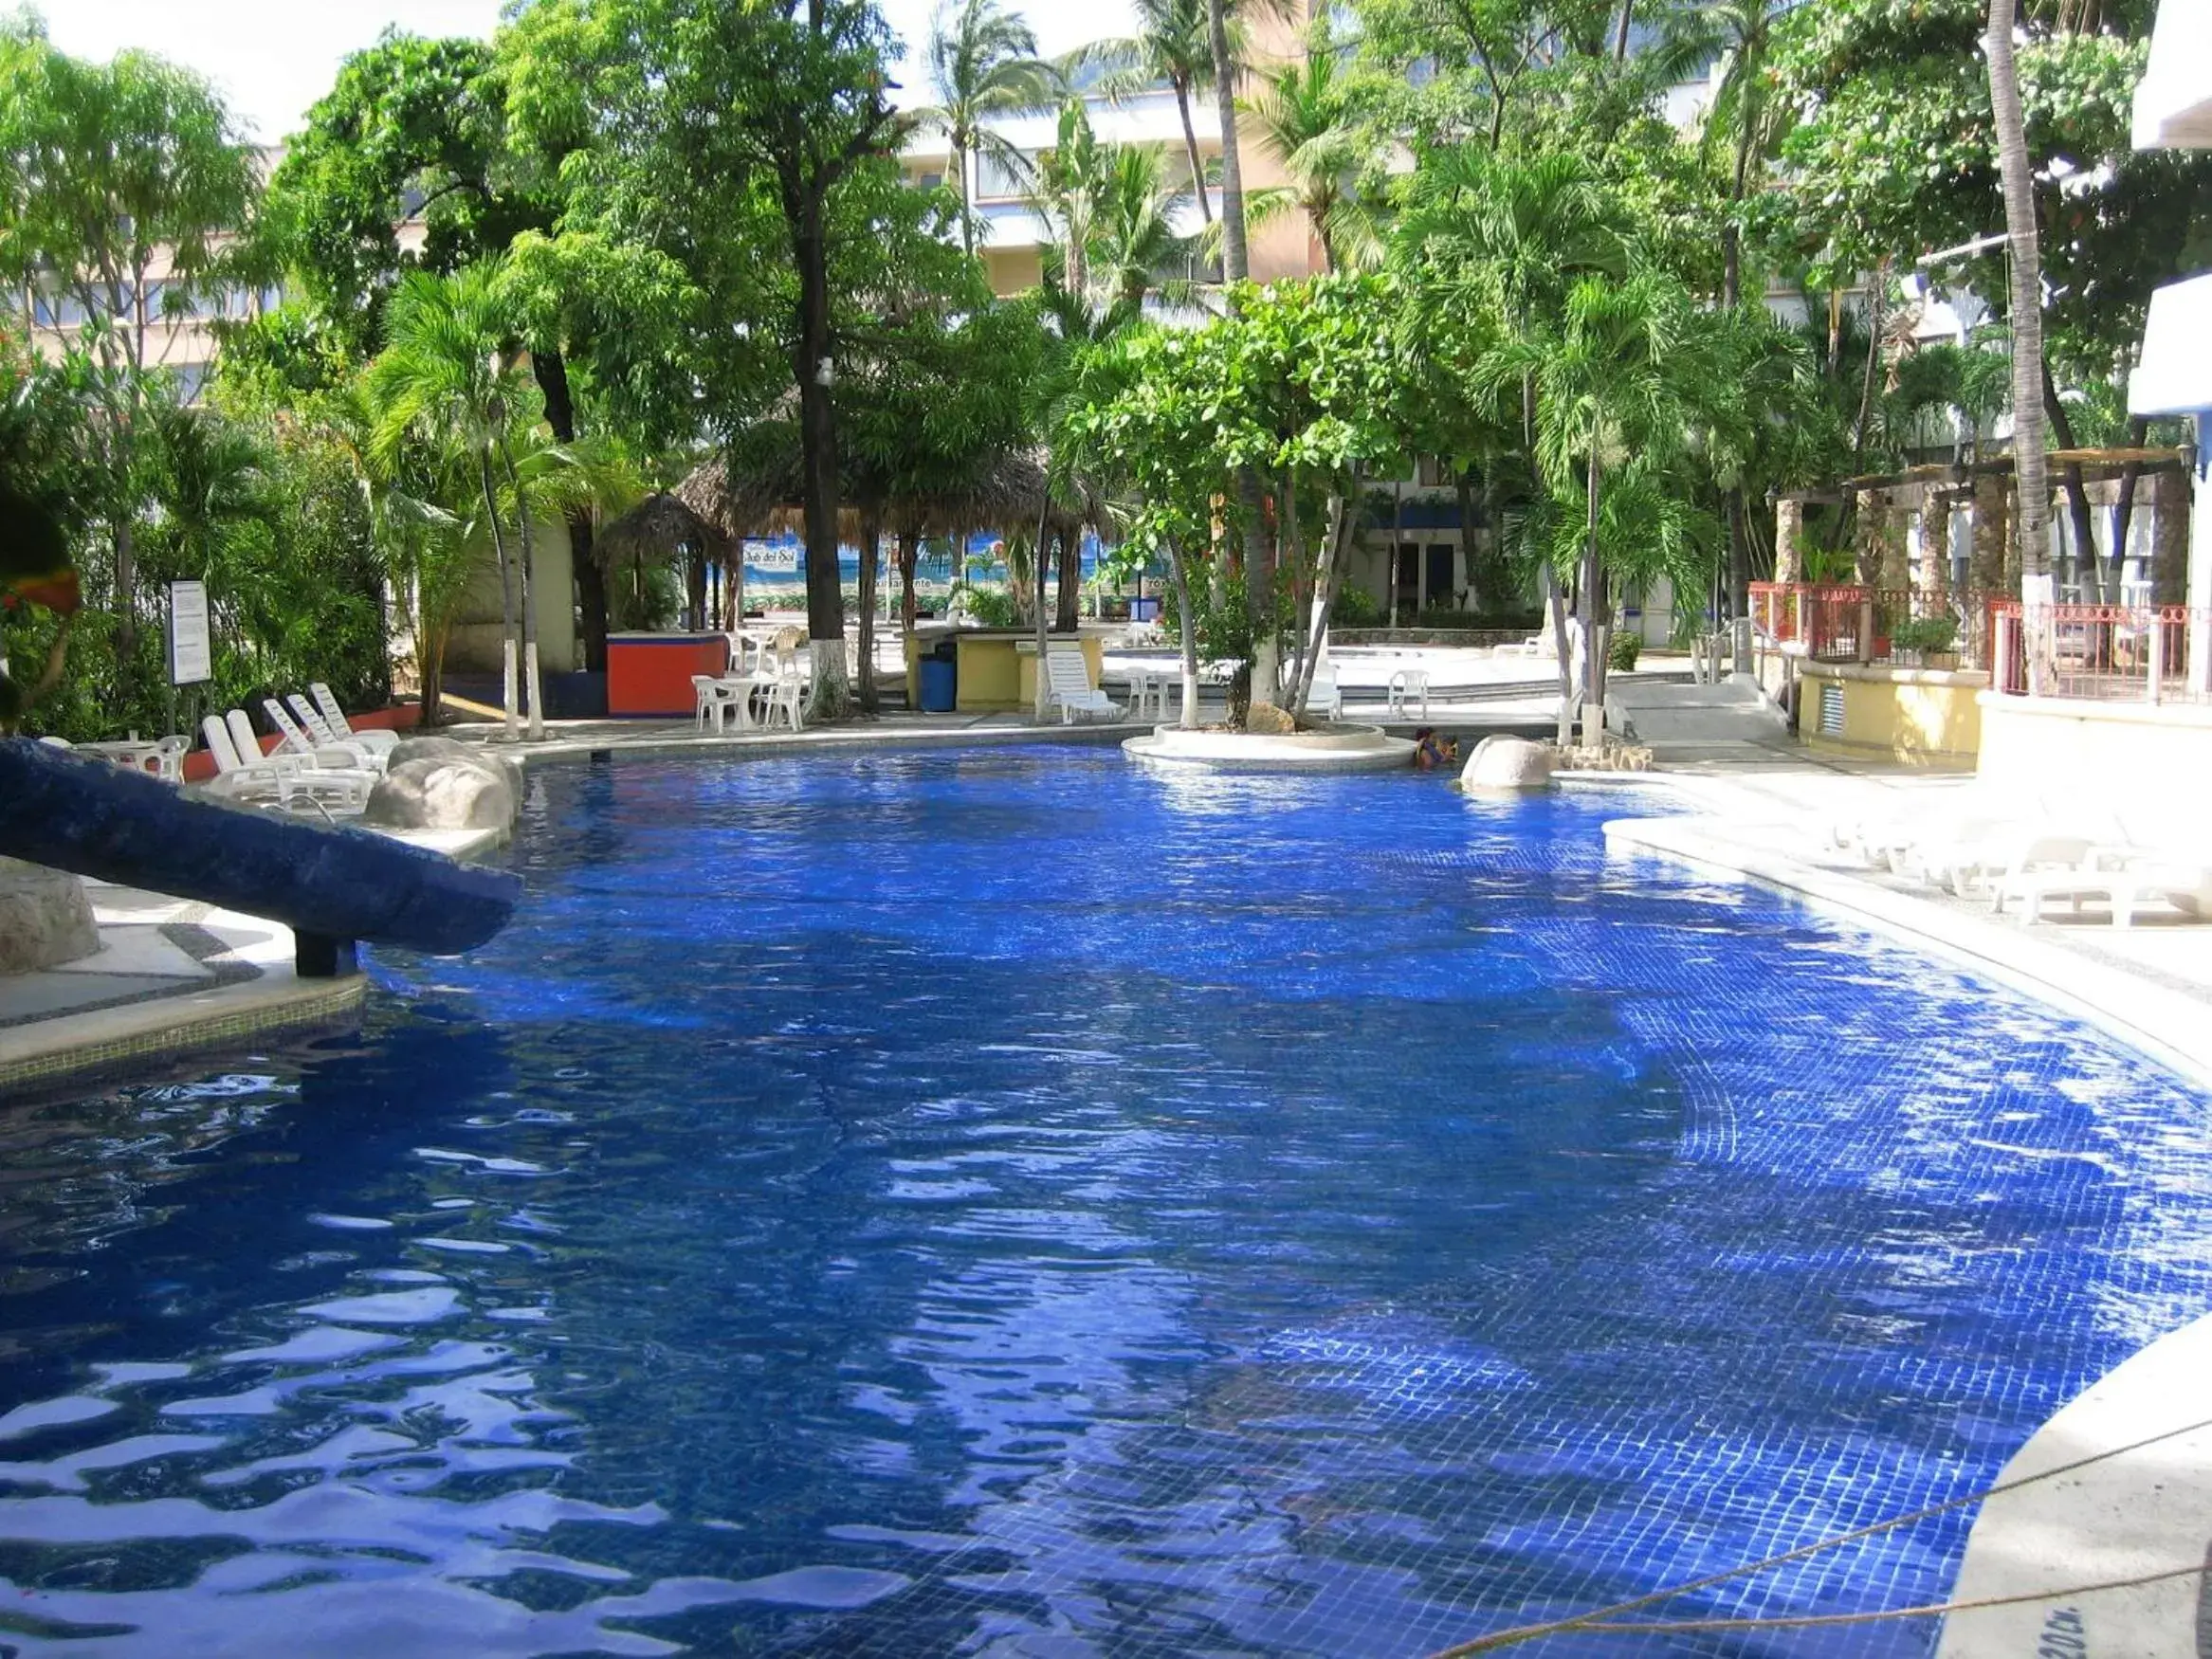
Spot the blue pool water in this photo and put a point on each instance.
(1006, 1203)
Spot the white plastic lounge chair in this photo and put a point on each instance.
(2124, 878)
(1068, 686)
(1324, 696)
(2043, 867)
(340, 789)
(257, 781)
(367, 737)
(299, 741)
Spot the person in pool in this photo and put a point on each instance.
(1431, 751)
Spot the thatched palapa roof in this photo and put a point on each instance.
(652, 530)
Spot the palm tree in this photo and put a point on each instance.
(1171, 44)
(1112, 218)
(445, 369)
(1220, 42)
(1620, 376)
(2026, 320)
(982, 64)
(1307, 122)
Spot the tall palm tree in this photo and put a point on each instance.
(982, 64)
(1621, 373)
(1112, 218)
(1171, 44)
(444, 368)
(1221, 46)
(2026, 322)
(1306, 121)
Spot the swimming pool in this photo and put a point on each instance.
(1005, 1202)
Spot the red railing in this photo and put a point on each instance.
(1847, 622)
(2126, 653)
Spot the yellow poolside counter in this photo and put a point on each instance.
(995, 668)
(1923, 717)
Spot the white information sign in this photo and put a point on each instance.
(763, 557)
(190, 658)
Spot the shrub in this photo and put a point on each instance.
(1357, 607)
(1621, 654)
(992, 607)
(1925, 634)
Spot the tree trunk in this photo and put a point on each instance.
(1259, 587)
(1182, 105)
(872, 536)
(1738, 575)
(533, 686)
(499, 547)
(1564, 654)
(2026, 322)
(817, 423)
(908, 550)
(1069, 616)
(1594, 641)
(2124, 519)
(960, 172)
(1187, 634)
(1044, 643)
(1328, 580)
(551, 370)
(2103, 591)
(1235, 255)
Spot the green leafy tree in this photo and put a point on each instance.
(446, 367)
(118, 182)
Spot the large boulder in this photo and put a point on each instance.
(1267, 718)
(431, 748)
(435, 791)
(1502, 765)
(45, 918)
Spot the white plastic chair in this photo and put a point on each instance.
(786, 692)
(368, 738)
(169, 757)
(1406, 684)
(1068, 686)
(718, 699)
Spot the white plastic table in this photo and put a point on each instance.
(1150, 685)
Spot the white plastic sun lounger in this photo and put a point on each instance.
(334, 788)
(2125, 880)
(1069, 688)
(368, 738)
(301, 740)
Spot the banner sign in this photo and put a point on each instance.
(191, 660)
(767, 558)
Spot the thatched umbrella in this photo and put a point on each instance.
(659, 530)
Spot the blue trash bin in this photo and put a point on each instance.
(940, 686)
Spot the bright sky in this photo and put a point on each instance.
(274, 57)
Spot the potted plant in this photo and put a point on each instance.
(1925, 642)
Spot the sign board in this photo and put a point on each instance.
(762, 556)
(190, 658)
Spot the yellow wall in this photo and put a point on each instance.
(1013, 270)
(473, 646)
(1922, 717)
(2121, 756)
